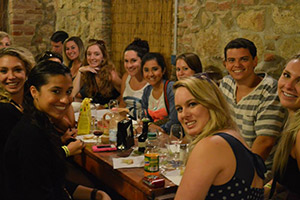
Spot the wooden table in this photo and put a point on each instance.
(127, 182)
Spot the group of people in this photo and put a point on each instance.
(245, 141)
(37, 132)
(243, 129)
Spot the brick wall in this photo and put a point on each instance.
(31, 23)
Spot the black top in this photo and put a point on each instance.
(291, 176)
(9, 117)
(33, 163)
(98, 97)
(239, 187)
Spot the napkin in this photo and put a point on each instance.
(173, 175)
(128, 162)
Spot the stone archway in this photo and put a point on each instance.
(3, 15)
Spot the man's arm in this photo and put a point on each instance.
(263, 145)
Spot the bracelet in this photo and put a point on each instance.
(93, 194)
(66, 149)
(268, 185)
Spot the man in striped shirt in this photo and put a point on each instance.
(253, 99)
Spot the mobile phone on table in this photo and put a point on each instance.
(104, 147)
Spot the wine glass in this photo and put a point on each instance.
(95, 129)
(175, 139)
(138, 117)
(98, 131)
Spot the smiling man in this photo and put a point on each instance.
(253, 99)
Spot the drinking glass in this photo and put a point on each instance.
(174, 140)
(96, 130)
(138, 117)
(97, 133)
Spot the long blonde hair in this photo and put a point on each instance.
(5, 96)
(287, 140)
(207, 93)
(80, 45)
(286, 143)
(22, 54)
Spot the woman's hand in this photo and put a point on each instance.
(100, 195)
(75, 147)
(87, 68)
(267, 190)
(70, 133)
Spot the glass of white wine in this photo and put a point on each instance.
(174, 141)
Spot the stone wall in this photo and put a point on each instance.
(31, 23)
(89, 19)
(206, 26)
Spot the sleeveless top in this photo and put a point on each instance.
(156, 108)
(239, 187)
(133, 98)
(291, 176)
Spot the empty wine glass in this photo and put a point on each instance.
(175, 139)
(138, 117)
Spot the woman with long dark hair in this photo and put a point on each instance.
(98, 76)
(133, 82)
(34, 160)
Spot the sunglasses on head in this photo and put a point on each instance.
(49, 54)
(203, 76)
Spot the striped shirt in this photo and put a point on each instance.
(257, 114)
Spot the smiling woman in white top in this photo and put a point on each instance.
(133, 82)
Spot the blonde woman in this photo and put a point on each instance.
(286, 166)
(15, 65)
(73, 54)
(220, 165)
(5, 40)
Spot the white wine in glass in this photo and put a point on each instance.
(175, 139)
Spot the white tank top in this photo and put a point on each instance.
(133, 98)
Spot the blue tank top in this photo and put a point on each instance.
(239, 187)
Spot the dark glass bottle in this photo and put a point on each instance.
(143, 137)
